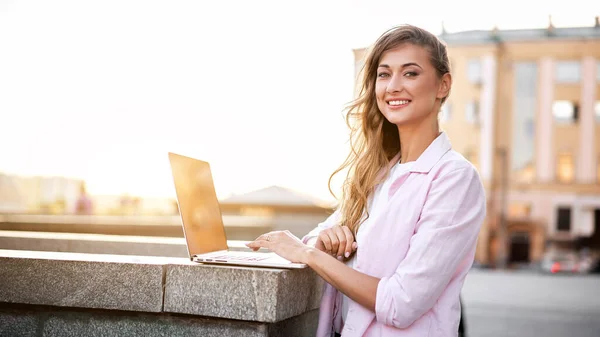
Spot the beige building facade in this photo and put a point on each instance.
(525, 110)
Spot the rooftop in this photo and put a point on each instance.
(522, 35)
(275, 196)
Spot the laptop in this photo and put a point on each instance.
(202, 221)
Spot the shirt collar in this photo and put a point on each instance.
(432, 154)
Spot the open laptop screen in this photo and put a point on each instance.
(198, 205)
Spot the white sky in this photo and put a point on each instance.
(101, 90)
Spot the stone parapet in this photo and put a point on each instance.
(68, 294)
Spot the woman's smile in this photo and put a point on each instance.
(396, 104)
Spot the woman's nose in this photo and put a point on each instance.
(394, 85)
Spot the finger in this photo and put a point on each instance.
(342, 239)
(326, 241)
(257, 244)
(354, 246)
(251, 246)
(317, 243)
(262, 236)
(268, 236)
(334, 242)
(349, 241)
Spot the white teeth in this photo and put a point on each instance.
(398, 102)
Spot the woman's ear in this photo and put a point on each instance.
(445, 85)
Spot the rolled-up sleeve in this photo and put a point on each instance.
(445, 237)
(330, 221)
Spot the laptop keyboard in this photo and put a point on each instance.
(239, 257)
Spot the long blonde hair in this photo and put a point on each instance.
(374, 141)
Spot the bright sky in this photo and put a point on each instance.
(101, 90)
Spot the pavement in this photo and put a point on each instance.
(530, 303)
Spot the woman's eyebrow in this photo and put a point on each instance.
(403, 66)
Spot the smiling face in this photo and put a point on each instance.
(408, 88)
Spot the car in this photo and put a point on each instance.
(568, 261)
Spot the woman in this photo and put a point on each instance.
(411, 208)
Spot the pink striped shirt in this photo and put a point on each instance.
(421, 247)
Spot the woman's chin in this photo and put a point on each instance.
(403, 119)
(398, 120)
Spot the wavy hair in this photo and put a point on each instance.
(374, 141)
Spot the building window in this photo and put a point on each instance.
(474, 71)
(472, 112)
(446, 112)
(525, 91)
(597, 111)
(566, 169)
(568, 72)
(565, 112)
(563, 219)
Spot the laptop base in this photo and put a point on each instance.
(251, 259)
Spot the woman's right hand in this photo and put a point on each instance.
(337, 241)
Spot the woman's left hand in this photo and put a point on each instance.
(282, 243)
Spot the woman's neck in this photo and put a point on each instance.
(415, 140)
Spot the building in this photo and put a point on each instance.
(49, 195)
(272, 208)
(525, 110)
(10, 198)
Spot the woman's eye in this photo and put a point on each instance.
(382, 75)
(410, 74)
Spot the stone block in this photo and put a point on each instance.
(81, 280)
(298, 326)
(70, 294)
(46, 322)
(17, 323)
(242, 293)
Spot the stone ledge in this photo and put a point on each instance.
(254, 294)
(81, 280)
(138, 283)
